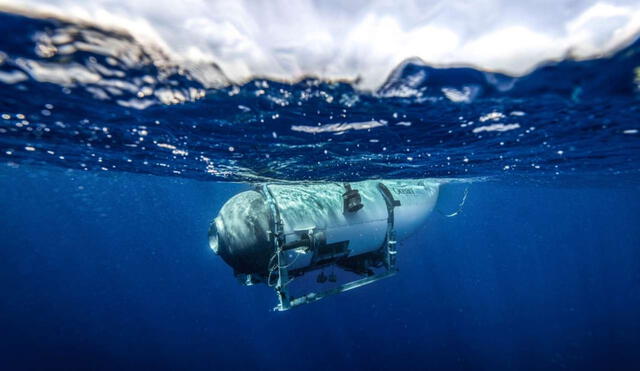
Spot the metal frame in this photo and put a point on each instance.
(278, 241)
(313, 296)
(285, 301)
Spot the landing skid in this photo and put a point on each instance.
(313, 296)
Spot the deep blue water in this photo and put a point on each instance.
(114, 161)
(119, 274)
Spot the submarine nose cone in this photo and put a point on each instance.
(240, 233)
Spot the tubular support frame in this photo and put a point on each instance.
(278, 241)
(312, 296)
(285, 301)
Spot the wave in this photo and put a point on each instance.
(361, 42)
(74, 95)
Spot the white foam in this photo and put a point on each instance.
(496, 127)
(345, 40)
(493, 116)
(337, 128)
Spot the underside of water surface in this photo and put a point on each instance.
(82, 97)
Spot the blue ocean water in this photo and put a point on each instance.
(113, 161)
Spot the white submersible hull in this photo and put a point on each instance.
(278, 232)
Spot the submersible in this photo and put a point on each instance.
(276, 233)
